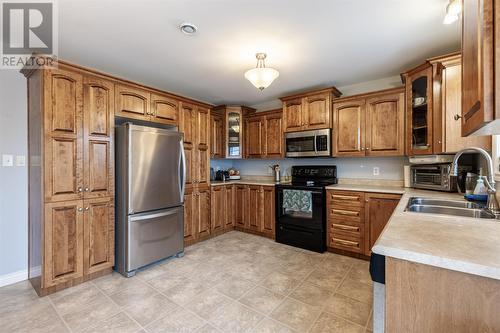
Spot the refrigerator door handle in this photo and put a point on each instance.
(182, 161)
(152, 216)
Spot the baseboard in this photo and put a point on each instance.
(14, 277)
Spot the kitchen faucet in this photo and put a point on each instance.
(492, 204)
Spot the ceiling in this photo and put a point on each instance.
(312, 43)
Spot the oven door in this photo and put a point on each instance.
(308, 143)
(300, 206)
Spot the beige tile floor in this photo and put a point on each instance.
(232, 283)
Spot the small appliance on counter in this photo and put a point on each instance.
(222, 175)
(277, 173)
(234, 174)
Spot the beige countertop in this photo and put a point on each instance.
(368, 188)
(244, 182)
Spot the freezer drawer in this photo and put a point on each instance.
(154, 236)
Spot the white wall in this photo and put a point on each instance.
(13, 180)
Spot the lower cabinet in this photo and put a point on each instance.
(356, 219)
(269, 211)
(218, 208)
(255, 207)
(240, 206)
(196, 215)
(79, 239)
(229, 214)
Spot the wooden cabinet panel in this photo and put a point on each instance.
(269, 211)
(164, 109)
(98, 137)
(230, 209)
(63, 247)
(317, 110)
(218, 207)
(203, 212)
(274, 135)
(203, 167)
(191, 169)
(190, 212)
(216, 136)
(63, 165)
(292, 115)
(378, 210)
(478, 64)
(99, 234)
(131, 102)
(255, 207)
(255, 136)
(349, 133)
(241, 206)
(203, 127)
(385, 125)
(188, 123)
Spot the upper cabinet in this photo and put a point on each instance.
(308, 111)
(264, 135)
(132, 102)
(164, 109)
(216, 136)
(480, 51)
(369, 124)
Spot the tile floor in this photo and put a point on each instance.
(232, 283)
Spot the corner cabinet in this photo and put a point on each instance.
(308, 111)
(71, 176)
(369, 124)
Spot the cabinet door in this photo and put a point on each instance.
(254, 143)
(255, 207)
(349, 131)
(269, 213)
(385, 125)
(131, 102)
(99, 234)
(419, 122)
(317, 111)
(292, 115)
(202, 146)
(478, 64)
(63, 242)
(164, 109)
(190, 212)
(378, 209)
(451, 105)
(188, 123)
(274, 136)
(63, 125)
(217, 207)
(98, 138)
(241, 206)
(230, 202)
(203, 212)
(216, 136)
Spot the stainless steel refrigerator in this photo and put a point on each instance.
(150, 183)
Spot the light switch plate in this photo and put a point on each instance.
(20, 160)
(7, 160)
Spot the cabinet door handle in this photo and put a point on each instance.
(345, 242)
(80, 189)
(345, 212)
(80, 209)
(345, 227)
(87, 208)
(457, 117)
(344, 197)
(367, 148)
(86, 189)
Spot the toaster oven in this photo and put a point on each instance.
(433, 177)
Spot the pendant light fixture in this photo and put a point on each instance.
(453, 11)
(261, 76)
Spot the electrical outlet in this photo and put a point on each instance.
(376, 171)
(20, 160)
(7, 160)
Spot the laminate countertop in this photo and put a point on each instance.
(468, 245)
(243, 182)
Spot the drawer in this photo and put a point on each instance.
(346, 213)
(345, 241)
(346, 198)
(342, 227)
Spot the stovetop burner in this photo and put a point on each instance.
(314, 175)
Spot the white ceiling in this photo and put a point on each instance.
(313, 43)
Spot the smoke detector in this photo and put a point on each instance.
(188, 28)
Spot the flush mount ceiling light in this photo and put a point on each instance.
(188, 28)
(261, 76)
(453, 10)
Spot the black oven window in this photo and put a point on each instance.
(300, 144)
(297, 203)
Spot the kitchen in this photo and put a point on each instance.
(284, 191)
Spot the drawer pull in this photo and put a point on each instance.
(345, 212)
(345, 227)
(345, 242)
(344, 197)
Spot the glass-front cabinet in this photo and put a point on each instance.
(233, 133)
(419, 110)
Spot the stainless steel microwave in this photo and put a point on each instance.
(316, 143)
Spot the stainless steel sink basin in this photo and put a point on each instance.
(443, 203)
(455, 211)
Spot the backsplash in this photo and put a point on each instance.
(389, 167)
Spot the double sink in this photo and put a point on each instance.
(448, 207)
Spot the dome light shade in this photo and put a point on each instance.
(261, 76)
(453, 11)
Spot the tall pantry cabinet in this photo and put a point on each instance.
(71, 176)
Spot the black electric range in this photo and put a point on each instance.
(301, 207)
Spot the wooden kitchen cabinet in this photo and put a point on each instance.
(264, 135)
(202, 209)
(190, 221)
(229, 214)
(197, 211)
(255, 207)
(132, 102)
(268, 225)
(308, 111)
(164, 109)
(218, 208)
(216, 136)
(369, 124)
(378, 210)
(241, 206)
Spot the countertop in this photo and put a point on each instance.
(368, 188)
(244, 182)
